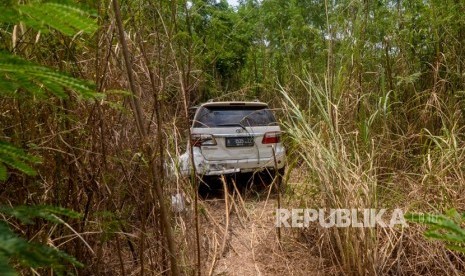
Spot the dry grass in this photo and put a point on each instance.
(366, 166)
(238, 237)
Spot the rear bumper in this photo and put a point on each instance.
(237, 166)
(207, 167)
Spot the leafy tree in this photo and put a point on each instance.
(223, 42)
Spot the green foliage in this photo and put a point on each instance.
(64, 18)
(110, 223)
(16, 73)
(26, 213)
(223, 40)
(445, 228)
(15, 250)
(15, 158)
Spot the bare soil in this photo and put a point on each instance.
(239, 237)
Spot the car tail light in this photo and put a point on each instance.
(272, 137)
(198, 140)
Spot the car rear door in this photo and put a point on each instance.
(237, 131)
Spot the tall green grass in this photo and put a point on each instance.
(339, 168)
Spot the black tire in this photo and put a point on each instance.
(273, 177)
(204, 188)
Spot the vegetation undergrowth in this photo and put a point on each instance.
(370, 93)
(354, 166)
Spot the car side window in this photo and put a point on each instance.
(203, 118)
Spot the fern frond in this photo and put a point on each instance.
(64, 18)
(15, 158)
(26, 213)
(71, 16)
(5, 267)
(33, 255)
(17, 73)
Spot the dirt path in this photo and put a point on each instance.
(250, 245)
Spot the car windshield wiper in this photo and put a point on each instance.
(233, 124)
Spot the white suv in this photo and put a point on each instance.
(234, 137)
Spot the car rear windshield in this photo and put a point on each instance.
(225, 116)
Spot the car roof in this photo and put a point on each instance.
(234, 103)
